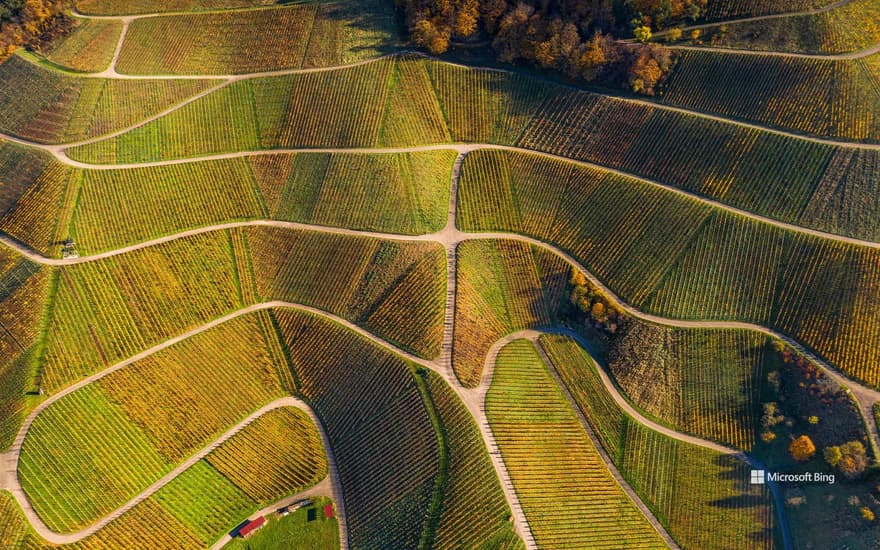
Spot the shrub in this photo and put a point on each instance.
(643, 33)
(854, 460)
(674, 35)
(867, 513)
(832, 455)
(802, 448)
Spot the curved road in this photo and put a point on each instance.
(14, 486)
(624, 405)
(58, 148)
(462, 149)
(450, 237)
(858, 54)
(783, 15)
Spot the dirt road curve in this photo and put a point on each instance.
(59, 148)
(474, 399)
(14, 486)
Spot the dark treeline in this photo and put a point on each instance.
(577, 37)
(25, 22)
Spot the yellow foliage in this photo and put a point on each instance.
(802, 448)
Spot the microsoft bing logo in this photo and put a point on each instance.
(757, 477)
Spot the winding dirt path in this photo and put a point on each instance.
(14, 485)
(323, 489)
(441, 236)
(858, 54)
(450, 237)
(229, 79)
(110, 71)
(783, 15)
(474, 400)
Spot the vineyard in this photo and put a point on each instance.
(41, 213)
(404, 193)
(23, 289)
(731, 9)
(781, 92)
(567, 492)
(218, 43)
(113, 7)
(145, 419)
(797, 181)
(674, 256)
(850, 27)
(702, 381)
(49, 106)
(233, 42)
(106, 311)
(379, 429)
(88, 48)
(681, 483)
(406, 101)
(115, 208)
(30, 185)
(256, 214)
(502, 287)
(199, 505)
(278, 454)
(474, 510)
(394, 289)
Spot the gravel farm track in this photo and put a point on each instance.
(449, 237)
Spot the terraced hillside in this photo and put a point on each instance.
(258, 255)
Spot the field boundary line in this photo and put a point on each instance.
(231, 78)
(58, 538)
(462, 149)
(534, 338)
(752, 18)
(473, 398)
(864, 395)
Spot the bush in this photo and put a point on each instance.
(643, 33)
(854, 459)
(674, 35)
(802, 449)
(867, 513)
(832, 455)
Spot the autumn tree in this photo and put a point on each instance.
(24, 22)
(642, 33)
(802, 448)
(570, 36)
(853, 459)
(832, 455)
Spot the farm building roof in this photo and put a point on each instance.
(252, 526)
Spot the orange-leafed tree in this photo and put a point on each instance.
(802, 448)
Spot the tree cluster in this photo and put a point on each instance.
(24, 22)
(591, 306)
(851, 458)
(571, 36)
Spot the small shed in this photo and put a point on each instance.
(251, 526)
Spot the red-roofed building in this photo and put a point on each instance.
(328, 511)
(251, 526)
